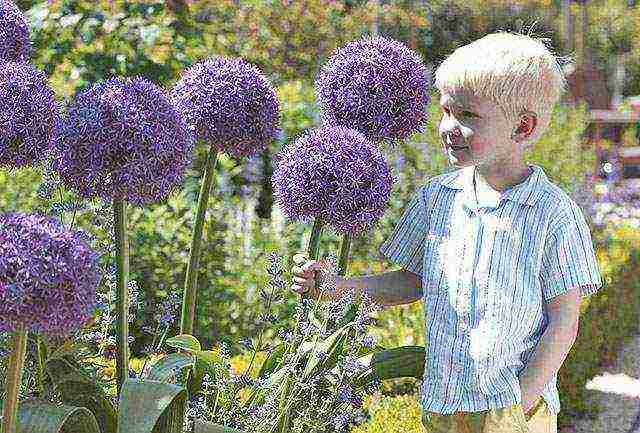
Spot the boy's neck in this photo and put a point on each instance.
(502, 178)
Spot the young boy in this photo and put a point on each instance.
(498, 253)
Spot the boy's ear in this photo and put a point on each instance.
(526, 127)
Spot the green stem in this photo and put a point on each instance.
(42, 357)
(14, 378)
(345, 247)
(122, 293)
(191, 279)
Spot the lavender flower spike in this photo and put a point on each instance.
(122, 139)
(335, 174)
(29, 116)
(376, 85)
(48, 276)
(230, 104)
(14, 34)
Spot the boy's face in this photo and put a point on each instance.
(474, 131)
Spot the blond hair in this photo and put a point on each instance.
(515, 71)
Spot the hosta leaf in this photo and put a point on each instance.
(40, 417)
(79, 390)
(184, 342)
(150, 406)
(170, 365)
(405, 361)
(208, 427)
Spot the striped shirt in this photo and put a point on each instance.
(487, 271)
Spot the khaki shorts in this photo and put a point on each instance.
(511, 419)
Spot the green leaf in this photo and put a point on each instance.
(170, 365)
(206, 362)
(273, 360)
(332, 346)
(405, 361)
(208, 427)
(184, 342)
(150, 406)
(78, 389)
(38, 417)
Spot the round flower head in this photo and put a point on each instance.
(516, 72)
(378, 86)
(14, 34)
(123, 139)
(229, 104)
(29, 115)
(336, 174)
(48, 275)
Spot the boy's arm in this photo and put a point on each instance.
(554, 345)
(386, 289)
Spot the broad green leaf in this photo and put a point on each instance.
(405, 361)
(206, 362)
(150, 407)
(273, 360)
(185, 342)
(79, 390)
(39, 417)
(170, 365)
(208, 427)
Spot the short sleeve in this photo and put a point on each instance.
(405, 245)
(569, 260)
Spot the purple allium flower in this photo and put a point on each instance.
(48, 275)
(14, 33)
(29, 116)
(123, 139)
(376, 85)
(229, 103)
(335, 174)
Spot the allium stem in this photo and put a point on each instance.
(14, 378)
(122, 292)
(345, 248)
(42, 358)
(191, 279)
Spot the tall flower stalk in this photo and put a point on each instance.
(123, 141)
(230, 106)
(191, 280)
(122, 298)
(14, 378)
(338, 177)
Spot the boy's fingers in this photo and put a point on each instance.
(301, 281)
(310, 265)
(299, 258)
(298, 289)
(297, 270)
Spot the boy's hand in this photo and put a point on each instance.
(304, 275)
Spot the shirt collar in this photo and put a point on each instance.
(527, 192)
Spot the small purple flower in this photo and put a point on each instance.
(230, 104)
(14, 33)
(48, 276)
(376, 85)
(123, 139)
(29, 115)
(335, 174)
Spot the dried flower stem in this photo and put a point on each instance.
(191, 280)
(14, 377)
(122, 292)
